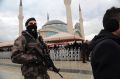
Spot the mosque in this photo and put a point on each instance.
(52, 27)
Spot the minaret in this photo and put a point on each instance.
(48, 17)
(69, 16)
(20, 17)
(81, 23)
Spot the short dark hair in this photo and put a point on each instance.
(111, 19)
(30, 19)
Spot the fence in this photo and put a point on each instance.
(5, 55)
(65, 54)
(61, 54)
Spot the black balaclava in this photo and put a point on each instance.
(32, 29)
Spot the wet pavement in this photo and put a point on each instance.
(69, 70)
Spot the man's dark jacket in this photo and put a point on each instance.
(105, 60)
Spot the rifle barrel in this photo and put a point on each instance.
(60, 75)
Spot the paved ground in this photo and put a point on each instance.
(69, 70)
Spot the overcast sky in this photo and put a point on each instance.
(92, 11)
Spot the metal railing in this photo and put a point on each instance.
(65, 54)
(61, 54)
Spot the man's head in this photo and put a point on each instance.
(31, 26)
(111, 19)
(30, 21)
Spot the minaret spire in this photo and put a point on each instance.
(20, 2)
(81, 23)
(20, 17)
(79, 8)
(48, 17)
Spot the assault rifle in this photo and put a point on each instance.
(45, 57)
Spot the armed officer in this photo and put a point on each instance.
(31, 52)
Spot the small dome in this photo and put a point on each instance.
(77, 26)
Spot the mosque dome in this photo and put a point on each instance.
(55, 24)
(77, 26)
